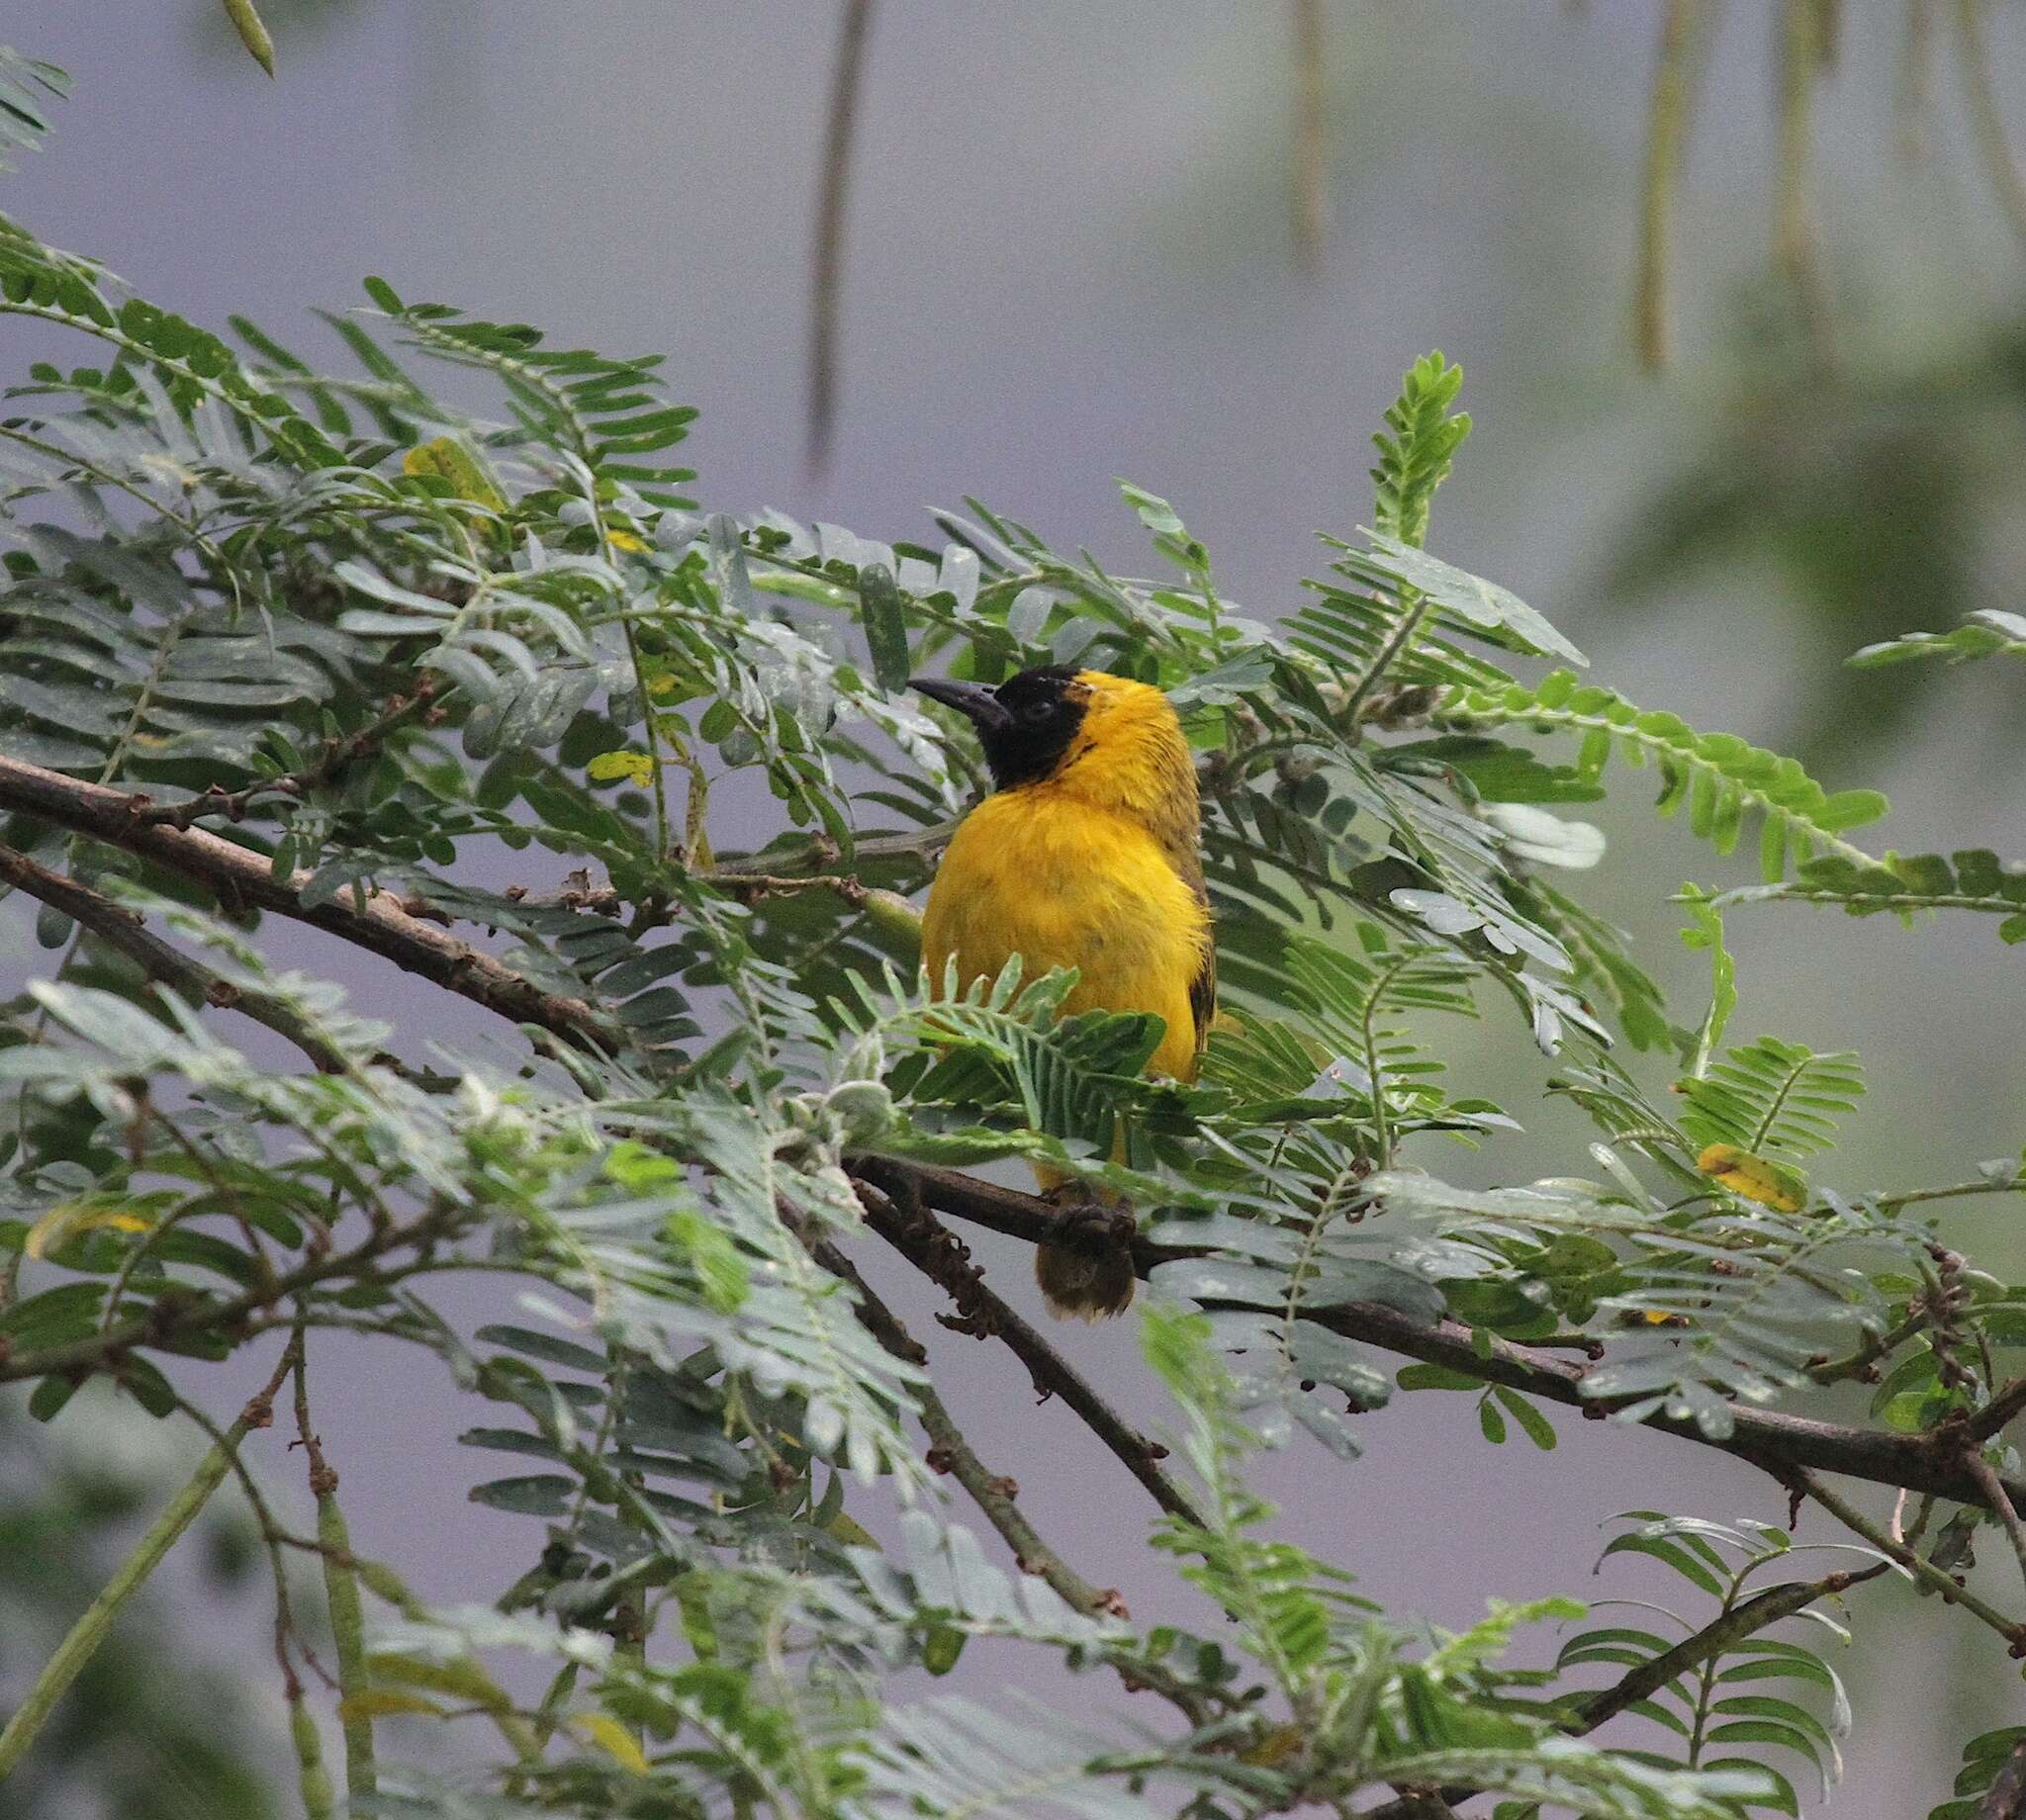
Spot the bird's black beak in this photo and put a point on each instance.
(978, 703)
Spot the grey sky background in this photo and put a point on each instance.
(1070, 260)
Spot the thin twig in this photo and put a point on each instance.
(286, 1629)
(1759, 1613)
(996, 1498)
(89, 1631)
(1761, 1609)
(341, 1590)
(1776, 1443)
(1980, 1469)
(339, 755)
(1923, 1570)
(1863, 1362)
(2006, 1401)
(934, 1250)
(176, 1316)
(833, 197)
(948, 1452)
(1987, 116)
(197, 985)
(1311, 170)
(370, 920)
(1954, 1191)
(1667, 133)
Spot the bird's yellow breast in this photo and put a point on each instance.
(1044, 875)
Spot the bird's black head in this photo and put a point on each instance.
(1025, 725)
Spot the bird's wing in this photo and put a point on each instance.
(1203, 987)
(1202, 994)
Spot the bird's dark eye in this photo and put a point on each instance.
(1035, 712)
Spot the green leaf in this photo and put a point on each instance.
(1479, 603)
(1770, 1096)
(1731, 776)
(25, 82)
(1540, 1430)
(1435, 1378)
(885, 627)
(1416, 447)
(246, 22)
(1983, 634)
(1970, 879)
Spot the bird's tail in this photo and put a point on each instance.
(1077, 1283)
(1079, 1287)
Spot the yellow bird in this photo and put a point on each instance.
(1083, 856)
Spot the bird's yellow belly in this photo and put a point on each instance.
(1064, 888)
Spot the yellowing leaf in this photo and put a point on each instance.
(625, 540)
(378, 1702)
(1277, 1746)
(451, 462)
(851, 1532)
(618, 1742)
(1770, 1184)
(463, 1677)
(634, 767)
(252, 33)
(65, 1222)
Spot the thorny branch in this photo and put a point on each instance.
(370, 920)
(1778, 1443)
(941, 1257)
(123, 928)
(1803, 1484)
(177, 1316)
(1763, 1610)
(948, 1452)
(1783, 1445)
(339, 755)
(995, 1495)
(1588, 1711)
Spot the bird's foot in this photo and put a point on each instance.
(1084, 1222)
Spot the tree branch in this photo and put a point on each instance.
(176, 1316)
(370, 920)
(948, 1452)
(1777, 1443)
(1803, 1484)
(941, 1256)
(1985, 1476)
(120, 928)
(2006, 1404)
(1756, 1613)
(996, 1498)
(338, 754)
